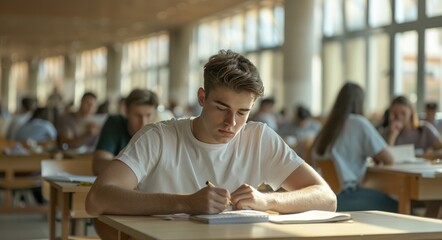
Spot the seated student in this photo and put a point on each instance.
(349, 139)
(38, 128)
(405, 128)
(165, 166)
(74, 129)
(141, 107)
(266, 114)
(430, 115)
(303, 128)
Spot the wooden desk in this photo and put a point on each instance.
(367, 225)
(10, 166)
(407, 182)
(69, 198)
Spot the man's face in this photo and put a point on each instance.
(224, 113)
(139, 115)
(88, 105)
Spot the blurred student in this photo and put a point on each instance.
(431, 109)
(348, 138)
(405, 128)
(38, 128)
(266, 113)
(28, 105)
(303, 128)
(141, 109)
(75, 130)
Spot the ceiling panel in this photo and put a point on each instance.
(39, 28)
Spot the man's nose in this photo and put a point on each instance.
(230, 119)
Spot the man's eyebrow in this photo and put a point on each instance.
(226, 105)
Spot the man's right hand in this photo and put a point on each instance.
(209, 200)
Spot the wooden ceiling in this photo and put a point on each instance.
(39, 28)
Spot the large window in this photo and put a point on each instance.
(434, 8)
(145, 65)
(406, 65)
(380, 13)
(378, 73)
(386, 56)
(433, 65)
(18, 85)
(256, 31)
(355, 14)
(406, 10)
(333, 25)
(50, 76)
(91, 74)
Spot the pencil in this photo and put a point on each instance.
(209, 184)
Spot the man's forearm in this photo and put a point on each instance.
(115, 200)
(316, 197)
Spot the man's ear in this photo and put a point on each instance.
(201, 96)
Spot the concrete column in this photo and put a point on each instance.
(5, 72)
(179, 66)
(299, 47)
(113, 74)
(68, 88)
(33, 75)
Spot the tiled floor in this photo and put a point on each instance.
(27, 227)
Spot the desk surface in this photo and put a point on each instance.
(367, 225)
(419, 169)
(68, 187)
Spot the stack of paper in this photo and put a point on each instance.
(252, 216)
(313, 216)
(66, 177)
(404, 154)
(238, 216)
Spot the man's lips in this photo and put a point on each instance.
(226, 132)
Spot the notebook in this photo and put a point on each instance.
(66, 177)
(313, 216)
(237, 216)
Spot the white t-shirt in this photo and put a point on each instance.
(167, 158)
(357, 141)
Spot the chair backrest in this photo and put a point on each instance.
(52, 167)
(329, 173)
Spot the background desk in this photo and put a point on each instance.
(407, 182)
(367, 225)
(10, 166)
(70, 199)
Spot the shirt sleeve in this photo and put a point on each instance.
(279, 159)
(374, 142)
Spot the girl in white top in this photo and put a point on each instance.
(349, 139)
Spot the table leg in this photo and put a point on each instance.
(404, 196)
(64, 216)
(52, 212)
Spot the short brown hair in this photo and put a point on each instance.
(142, 97)
(232, 70)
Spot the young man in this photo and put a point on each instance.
(140, 109)
(74, 130)
(165, 166)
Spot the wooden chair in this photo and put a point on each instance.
(19, 174)
(77, 212)
(329, 173)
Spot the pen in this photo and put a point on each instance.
(209, 184)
